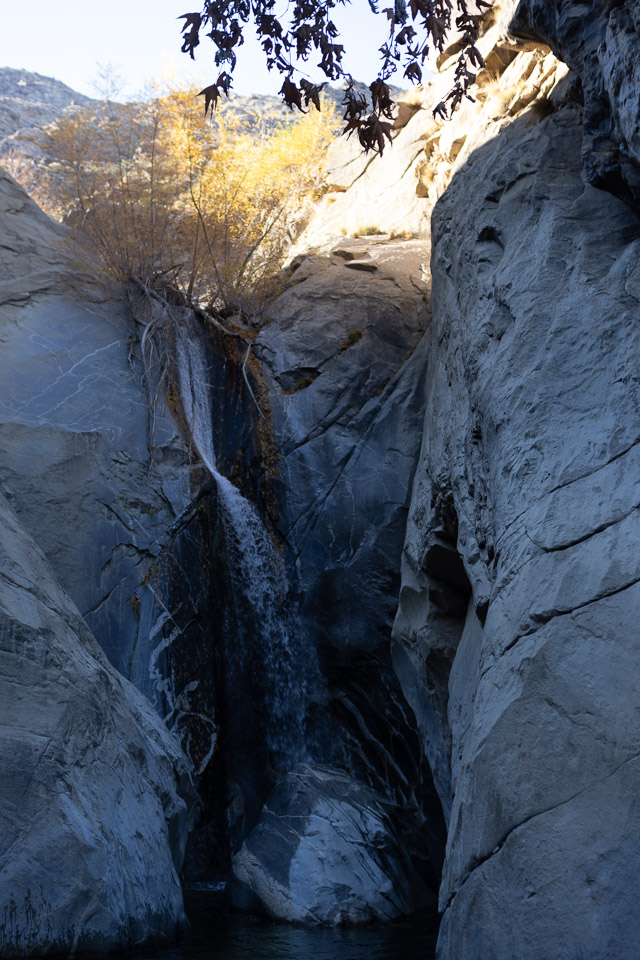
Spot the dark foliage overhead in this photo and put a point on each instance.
(415, 28)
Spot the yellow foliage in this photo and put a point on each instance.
(163, 194)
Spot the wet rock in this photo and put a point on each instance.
(95, 794)
(328, 850)
(343, 355)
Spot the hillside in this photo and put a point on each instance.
(29, 101)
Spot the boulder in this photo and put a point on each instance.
(328, 850)
(95, 794)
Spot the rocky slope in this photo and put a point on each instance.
(29, 101)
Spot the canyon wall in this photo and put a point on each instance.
(235, 513)
(517, 627)
(138, 469)
(516, 637)
(96, 794)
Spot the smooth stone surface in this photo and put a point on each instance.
(524, 666)
(95, 794)
(328, 850)
(98, 471)
(94, 478)
(344, 354)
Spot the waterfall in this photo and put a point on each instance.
(267, 654)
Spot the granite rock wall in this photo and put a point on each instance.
(517, 636)
(96, 795)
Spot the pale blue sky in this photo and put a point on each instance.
(67, 39)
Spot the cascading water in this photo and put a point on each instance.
(266, 659)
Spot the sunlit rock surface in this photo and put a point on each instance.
(343, 856)
(95, 794)
(600, 43)
(29, 101)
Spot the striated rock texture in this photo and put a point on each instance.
(344, 855)
(95, 794)
(517, 638)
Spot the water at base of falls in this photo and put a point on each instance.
(217, 933)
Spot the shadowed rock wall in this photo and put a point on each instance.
(529, 702)
(95, 793)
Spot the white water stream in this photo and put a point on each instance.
(258, 573)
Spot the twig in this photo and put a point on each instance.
(246, 380)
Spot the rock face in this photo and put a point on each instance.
(517, 627)
(99, 472)
(600, 44)
(343, 356)
(84, 472)
(28, 101)
(515, 638)
(395, 194)
(95, 793)
(104, 463)
(342, 855)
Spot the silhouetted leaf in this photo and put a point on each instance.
(211, 96)
(308, 28)
(191, 32)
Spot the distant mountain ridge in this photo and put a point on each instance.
(29, 101)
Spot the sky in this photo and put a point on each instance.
(72, 40)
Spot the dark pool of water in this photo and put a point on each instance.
(217, 933)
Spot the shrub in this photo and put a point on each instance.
(352, 337)
(166, 198)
